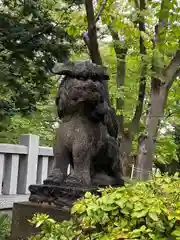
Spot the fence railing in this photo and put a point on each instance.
(22, 165)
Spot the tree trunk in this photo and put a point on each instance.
(147, 143)
(125, 153)
(159, 91)
(126, 148)
(141, 165)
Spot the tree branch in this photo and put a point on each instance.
(101, 9)
(137, 4)
(92, 33)
(142, 84)
(121, 52)
(169, 74)
(172, 70)
(170, 114)
(162, 23)
(91, 41)
(90, 37)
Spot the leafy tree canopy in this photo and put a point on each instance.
(31, 40)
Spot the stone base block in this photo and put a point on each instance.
(24, 211)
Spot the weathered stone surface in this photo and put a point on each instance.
(61, 196)
(86, 138)
(22, 212)
(81, 69)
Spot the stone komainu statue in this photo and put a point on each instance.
(87, 136)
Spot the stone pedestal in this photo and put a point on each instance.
(22, 212)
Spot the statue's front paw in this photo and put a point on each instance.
(55, 178)
(73, 180)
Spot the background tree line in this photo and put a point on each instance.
(139, 42)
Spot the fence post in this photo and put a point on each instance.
(1, 171)
(28, 168)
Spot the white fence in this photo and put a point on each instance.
(22, 165)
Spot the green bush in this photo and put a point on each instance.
(145, 210)
(5, 227)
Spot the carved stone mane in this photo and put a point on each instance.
(82, 70)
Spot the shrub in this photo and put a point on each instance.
(145, 210)
(5, 227)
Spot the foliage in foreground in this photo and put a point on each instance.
(146, 210)
(5, 227)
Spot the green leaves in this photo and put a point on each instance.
(41, 123)
(176, 232)
(5, 227)
(145, 211)
(139, 214)
(153, 216)
(31, 41)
